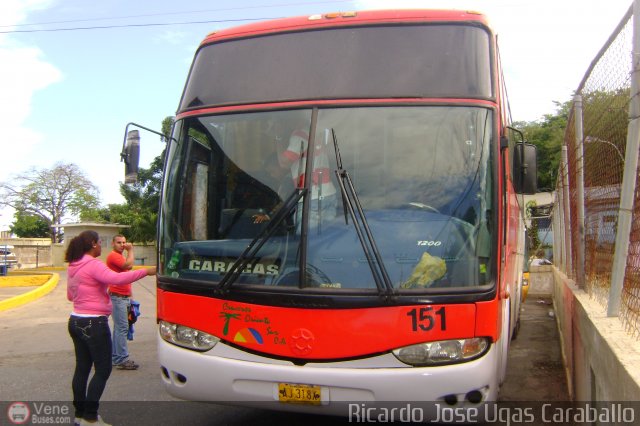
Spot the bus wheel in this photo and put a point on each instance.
(516, 330)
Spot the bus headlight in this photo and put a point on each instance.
(442, 352)
(187, 337)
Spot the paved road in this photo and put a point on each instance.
(9, 292)
(535, 371)
(36, 361)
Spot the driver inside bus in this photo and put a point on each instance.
(323, 192)
(280, 182)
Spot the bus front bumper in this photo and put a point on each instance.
(227, 375)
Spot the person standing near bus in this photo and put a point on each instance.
(121, 300)
(323, 192)
(88, 279)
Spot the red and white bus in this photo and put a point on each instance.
(393, 273)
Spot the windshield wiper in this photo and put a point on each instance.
(352, 205)
(256, 244)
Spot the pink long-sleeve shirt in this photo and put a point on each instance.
(87, 283)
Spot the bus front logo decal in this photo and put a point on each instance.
(248, 335)
(227, 318)
(301, 342)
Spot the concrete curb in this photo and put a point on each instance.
(32, 295)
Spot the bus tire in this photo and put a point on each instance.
(516, 330)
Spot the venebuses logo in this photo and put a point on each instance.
(34, 412)
(18, 413)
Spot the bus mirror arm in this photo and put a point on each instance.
(130, 153)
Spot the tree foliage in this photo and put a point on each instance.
(62, 192)
(29, 226)
(548, 135)
(606, 119)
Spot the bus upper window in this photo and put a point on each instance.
(404, 61)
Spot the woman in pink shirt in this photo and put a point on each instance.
(88, 279)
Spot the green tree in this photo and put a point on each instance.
(548, 135)
(62, 192)
(605, 123)
(29, 226)
(605, 119)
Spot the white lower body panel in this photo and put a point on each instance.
(227, 375)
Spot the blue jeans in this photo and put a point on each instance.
(120, 328)
(320, 211)
(92, 343)
(323, 210)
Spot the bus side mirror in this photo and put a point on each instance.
(525, 169)
(131, 157)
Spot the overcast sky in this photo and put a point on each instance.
(67, 93)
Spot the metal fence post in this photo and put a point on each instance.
(555, 230)
(629, 177)
(563, 223)
(580, 253)
(567, 212)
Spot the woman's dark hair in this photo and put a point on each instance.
(80, 245)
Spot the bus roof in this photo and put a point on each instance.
(346, 19)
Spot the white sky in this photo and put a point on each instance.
(68, 95)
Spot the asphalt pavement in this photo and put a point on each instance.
(35, 334)
(37, 361)
(535, 371)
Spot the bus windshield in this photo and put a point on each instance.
(422, 174)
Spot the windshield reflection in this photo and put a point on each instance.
(423, 176)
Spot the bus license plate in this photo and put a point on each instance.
(300, 394)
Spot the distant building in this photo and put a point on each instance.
(106, 231)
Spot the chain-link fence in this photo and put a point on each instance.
(587, 211)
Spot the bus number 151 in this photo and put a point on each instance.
(425, 319)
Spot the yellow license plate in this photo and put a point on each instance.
(300, 394)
